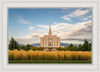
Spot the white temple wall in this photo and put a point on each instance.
(50, 41)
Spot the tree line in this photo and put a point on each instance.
(14, 45)
(86, 46)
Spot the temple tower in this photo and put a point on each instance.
(50, 33)
(50, 41)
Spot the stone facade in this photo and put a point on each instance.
(50, 42)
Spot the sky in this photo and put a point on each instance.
(72, 25)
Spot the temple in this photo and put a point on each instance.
(50, 42)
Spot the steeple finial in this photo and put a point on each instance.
(50, 33)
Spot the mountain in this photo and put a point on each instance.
(61, 44)
(36, 44)
(21, 44)
(64, 44)
(67, 44)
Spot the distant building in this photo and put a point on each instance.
(50, 42)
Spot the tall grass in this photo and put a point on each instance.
(52, 55)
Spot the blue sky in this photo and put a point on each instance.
(27, 25)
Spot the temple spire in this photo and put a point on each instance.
(50, 33)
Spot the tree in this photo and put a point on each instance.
(33, 48)
(74, 48)
(37, 48)
(60, 49)
(13, 44)
(85, 46)
(40, 48)
(71, 45)
(90, 46)
(23, 47)
(79, 47)
(28, 46)
(67, 48)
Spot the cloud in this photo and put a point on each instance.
(21, 20)
(77, 13)
(66, 18)
(43, 26)
(31, 28)
(66, 31)
(86, 18)
(29, 36)
(33, 38)
(78, 31)
(65, 26)
(58, 27)
(82, 31)
(76, 39)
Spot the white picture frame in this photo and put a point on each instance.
(4, 66)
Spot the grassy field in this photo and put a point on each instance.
(30, 56)
(51, 62)
(52, 55)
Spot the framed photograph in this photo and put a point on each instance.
(49, 36)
